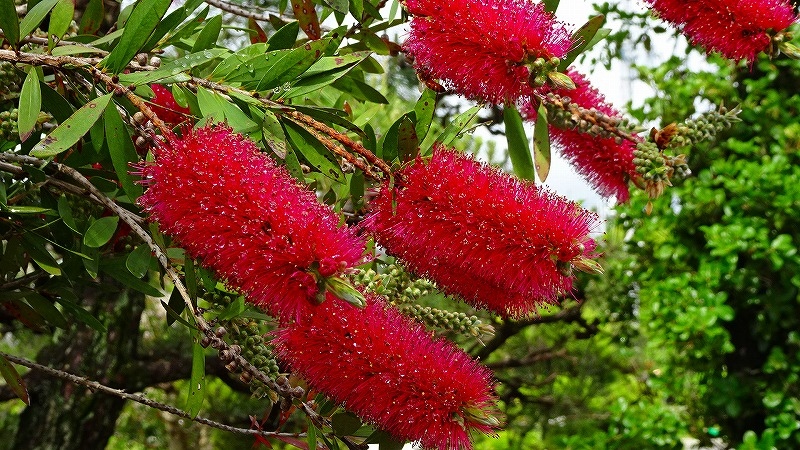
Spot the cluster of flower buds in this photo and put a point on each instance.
(247, 334)
(704, 128)
(9, 80)
(405, 292)
(545, 72)
(563, 113)
(8, 125)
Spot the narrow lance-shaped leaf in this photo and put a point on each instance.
(71, 130)
(143, 20)
(518, 146)
(9, 22)
(35, 16)
(13, 379)
(541, 144)
(197, 383)
(92, 17)
(407, 141)
(583, 37)
(60, 19)
(424, 109)
(30, 104)
(551, 5)
(120, 146)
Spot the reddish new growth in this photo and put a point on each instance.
(391, 372)
(493, 240)
(605, 162)
(482, 49)
(166, 108)
(230, 206)
(737, 29)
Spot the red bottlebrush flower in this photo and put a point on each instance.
(482, 49)
(247, 219)
(604, 162)
(165, 106)
(481, 234)
(391, 372)
(737, 29)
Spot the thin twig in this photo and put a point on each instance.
(239, 11)
(95, 386)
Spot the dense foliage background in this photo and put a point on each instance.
(690, 338)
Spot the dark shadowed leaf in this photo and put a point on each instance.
(69, 300)
(100, 232)
(138, 261)
(35, 248)
(9, 22)
(345, 423)
(14, 380)
(285, 37)
(92, 17)
(123, 153)
(46, 309)
(518, 146)
(117, 269)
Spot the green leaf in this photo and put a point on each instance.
(35, 16)
(9, 22)
(279, 67)
(311, 434)
(551, 5)
(216, 107)
(69, 301)
(46, 309)
(518, 146)
(313, 151)
(172, 68)
(407, 141)
(582, 38)
(541, 144)
(92, 265)
(236, 60)
(138, 261)
(100, 232)
(384, 440)
(197, 383)
(175, 308)
(234, 309)
(285, 37)
(208, 35)
(92, 17)
(35, 248)
(9, 372)
(65, 211)
(117, 269)
(123, 152)
(424, 109)
(144, 18)
(61, 18)
(345, 291)
(345, 423)
(359, 90)
(190, 278)
(71, 130)
(454, 128)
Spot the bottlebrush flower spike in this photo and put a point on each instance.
(166, 108)
(737, 29)
(392, 373)
(481, 234)
(483, 49)
(230, 206)
(605, 162)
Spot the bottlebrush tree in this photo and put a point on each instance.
(314, 240)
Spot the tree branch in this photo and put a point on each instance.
(95, 386)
